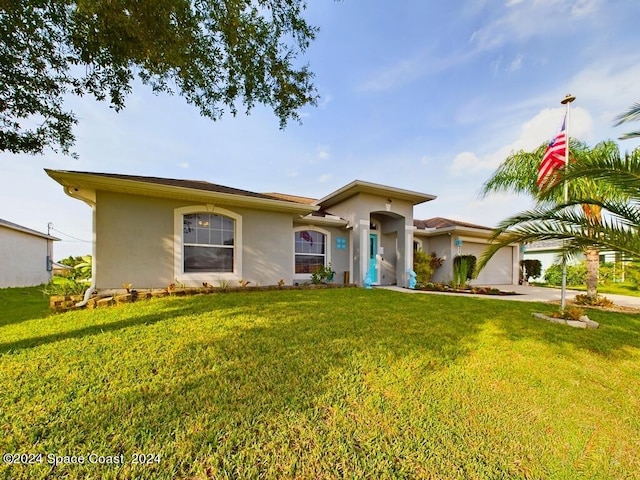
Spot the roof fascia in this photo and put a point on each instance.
(359, 186)
(478, 232)
(322, 221)
(35, 233)
(74, 180)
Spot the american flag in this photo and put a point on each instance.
(554, 157)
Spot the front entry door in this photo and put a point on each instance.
(373, 257)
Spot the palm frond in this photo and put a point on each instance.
(629, 135)
(630, 115)
(610, 175)
(619, 231)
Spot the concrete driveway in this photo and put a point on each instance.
(530, 294)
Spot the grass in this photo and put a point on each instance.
(20, 304)
(347, 383)
(628, 289)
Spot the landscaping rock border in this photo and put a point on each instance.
(63, 303)
(583, 322)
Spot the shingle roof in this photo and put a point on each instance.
(291, 198)
(440, 222)
(192, 184)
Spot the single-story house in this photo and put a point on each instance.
(549, 253)
(448, 238)
(25, 256)
(151, 232)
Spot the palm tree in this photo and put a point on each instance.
(518, 173)
(619, 228)
(629, 116)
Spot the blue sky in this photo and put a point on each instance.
(427, 96)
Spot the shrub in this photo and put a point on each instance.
(576, 274)
(632, 274)
(530, 268)
(65, 286)
(461, 271)
(597, 301)
(323, 275)
(422, 267)
(469, 261)
(82, 267)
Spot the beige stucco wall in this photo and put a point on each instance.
(136, 244)
(23, 259)
(395, 216)
(339, 258)
(442, 245)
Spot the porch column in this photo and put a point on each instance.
(405, 254)
(361, 264)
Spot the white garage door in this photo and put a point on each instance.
(499, 270)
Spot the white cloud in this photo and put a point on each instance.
(614, 81)
(585, 7)
(325, 177)
(183, 164)
(524, 20)
(324, 153)
(325, 100)
(402, 72)
(516, 64)
(534, 132)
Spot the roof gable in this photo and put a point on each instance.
(360, 186)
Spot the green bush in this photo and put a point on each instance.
(323, 275)
(530, 268)
(469, 261)
(422, 267)
(65, 286)
(576, 274)
(632, 274)
(607, 273)
(82, 267)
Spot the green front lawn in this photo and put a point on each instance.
(628, 289)
(321, 384)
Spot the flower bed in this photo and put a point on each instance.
(441, 287)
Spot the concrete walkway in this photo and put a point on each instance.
(529, 294)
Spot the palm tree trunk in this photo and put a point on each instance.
(593, 263)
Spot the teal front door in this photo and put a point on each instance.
(373, 257)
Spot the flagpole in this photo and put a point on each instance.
(565, 101)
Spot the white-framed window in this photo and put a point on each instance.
(207, 244)
(312, 247)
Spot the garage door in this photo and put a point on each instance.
(499, 270)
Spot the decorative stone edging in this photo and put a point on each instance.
(584, 322)
(63, 303)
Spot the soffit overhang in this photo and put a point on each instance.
(359, 186)
(76, 181)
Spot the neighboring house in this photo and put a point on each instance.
(25, 256)
(549, 253)
(448, 238)
(152, 232)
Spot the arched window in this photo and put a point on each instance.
(311, 251)
(208, 242)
